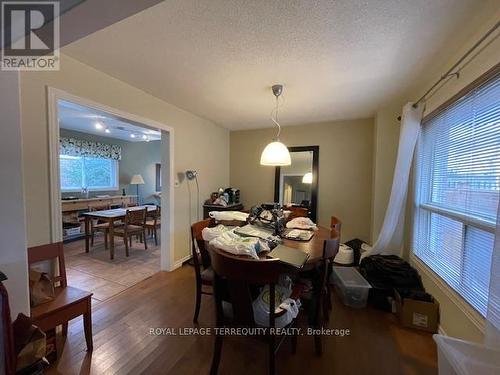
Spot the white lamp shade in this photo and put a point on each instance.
(308, 178)
(276, 154)
(137, 180)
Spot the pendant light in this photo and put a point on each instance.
(276, 153)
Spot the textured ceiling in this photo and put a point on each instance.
(83, 119)
(337, 59)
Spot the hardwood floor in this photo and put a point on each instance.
(96, 273)
(123, 344)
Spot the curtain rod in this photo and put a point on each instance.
(450, 72)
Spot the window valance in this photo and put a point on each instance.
(78, 147)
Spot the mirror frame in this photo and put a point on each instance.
(314, 185)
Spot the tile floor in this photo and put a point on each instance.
(96, 273)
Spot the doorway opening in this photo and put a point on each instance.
(111, 194)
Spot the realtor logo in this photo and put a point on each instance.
(30, 35)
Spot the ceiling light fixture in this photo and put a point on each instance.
(98, 126)
(276, 153)
(144, 136)
(308, 178)
(132, 135)
(107, 130)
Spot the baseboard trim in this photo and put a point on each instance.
(180, 262)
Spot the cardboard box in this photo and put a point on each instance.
(418, 314)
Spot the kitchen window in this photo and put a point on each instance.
(457, 191)
(94, 174)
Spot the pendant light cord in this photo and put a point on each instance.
(275, 119)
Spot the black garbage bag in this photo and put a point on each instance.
(386, 273)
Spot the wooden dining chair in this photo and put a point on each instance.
(297, 212)
(323, 291)
(153, 222)
(201, 259)
(134, 225)
(234, 278)
(335, 224)
(68, 303)
(97, 225)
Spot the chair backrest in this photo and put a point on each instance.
(297, 212)
(156, 214)
(49, 252)
(198, 248)
(331, 245)
(136, 217)
(233, 277)
(335, 224)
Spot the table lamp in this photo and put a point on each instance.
(137, 180)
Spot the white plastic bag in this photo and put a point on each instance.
(228, 215)
(209, 234)
(235, 244)
(282, 293)
(302, 223)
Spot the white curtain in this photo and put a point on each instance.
(492, 335)
(390, 238)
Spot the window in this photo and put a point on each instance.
(457, 192)
(79, 172)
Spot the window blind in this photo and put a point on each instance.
(457, 192)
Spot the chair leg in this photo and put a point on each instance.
(198, 301)
(130, 241)
(155, 234)
(125, 241)
(143, 236)
(294, 343)
(106, 239)
(65, 329)
(317, 345)
(216, 356)
(326, 305)
(92, 237)
(272, 350)
(87, 327)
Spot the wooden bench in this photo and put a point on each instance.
(69, 302)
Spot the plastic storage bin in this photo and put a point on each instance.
(466, 358)
(351, 286)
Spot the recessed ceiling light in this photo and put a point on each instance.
(98, 126)
(107, 130)
(144, 136)
(132, 135)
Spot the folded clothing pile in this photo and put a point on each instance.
(228, 215)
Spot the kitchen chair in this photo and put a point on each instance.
(323, 291)
(68, 303)
(335, 227)
(335, 224)
(134, 225)
(201, 260)
(153, 222)
(234, 278)
(97, 225)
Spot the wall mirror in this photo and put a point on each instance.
(297, 184)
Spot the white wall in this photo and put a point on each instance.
(13, 255)
(198, 143)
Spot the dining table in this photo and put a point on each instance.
(111, 217)
(312, 247)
